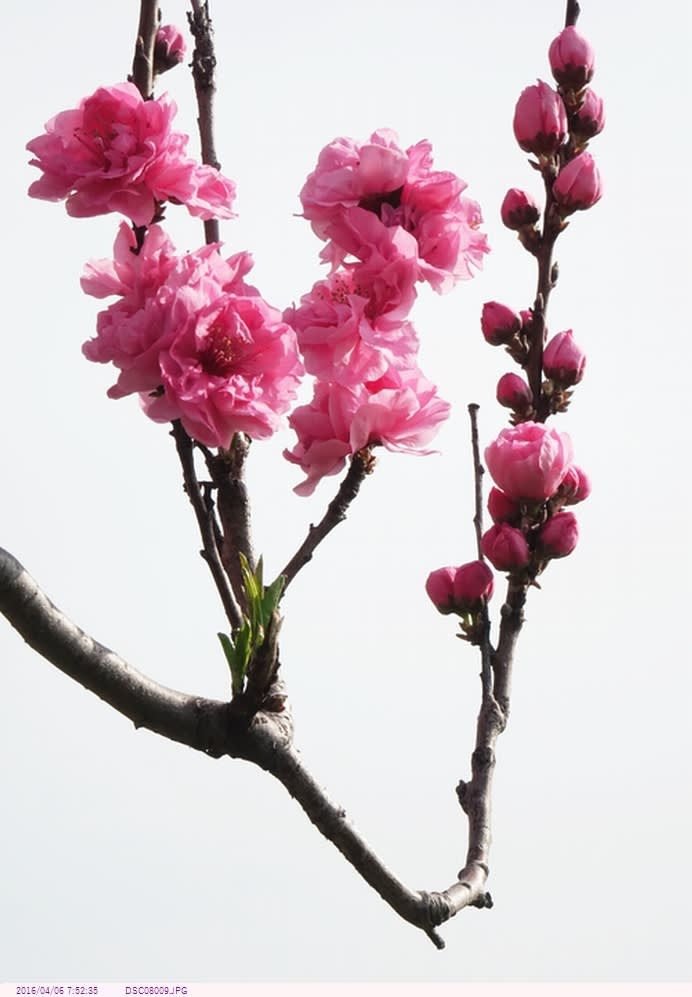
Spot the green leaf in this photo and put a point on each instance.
(271, 597)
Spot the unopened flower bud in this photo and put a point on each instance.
(513, 392)
(518, 209)
(563, 360)
(576, 485)
(571, 59)
(440, 588)
(505, 547)
(558, 537)
(540, 120)
(499, 323)
(578, 185)
(473, 585)
(589, 120)
(169, 48)
(502, 508)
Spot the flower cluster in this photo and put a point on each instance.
(187, 333)
(195, 340)
(118, 152)
(389, 221)
(532, 465)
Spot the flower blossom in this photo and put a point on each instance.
(195, 340)
(357, 189)
(400, 411)
(529, 461)
(118, 152)
(351, 327)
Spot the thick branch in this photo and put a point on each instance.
(203, 66)
(205, 725)
(143, 61)
(227, 471)
(362, 464)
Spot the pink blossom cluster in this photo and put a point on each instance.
(532, 465)
(118, 152)
(556, 126)
(390, 221)
(195, 340)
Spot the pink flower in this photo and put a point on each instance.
(169, 48)
(578, 184)
(133, 332)
(589, 120)
(359, 189)
(400, 411)
(499, 323)
(540, 120)
(513, 392)
(518, 209)
(559, 536)
(196, 341)
(231, 367)
(505, 547)
(502, 508)
(460, 590)
(529, 461)
(351, 327)
(576, 485)
(117, 152)
(563, 360)
(571, 59)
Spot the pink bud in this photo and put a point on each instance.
(473, 585)
(576, 485)
(578, 185)
(460, 590)
(563, 360)
(505, 547)
(518, 209)
(499, 323)
(169, 48)
(513, 392)
(559, 536)
(440, 588)
(529, 461)
(502, 508)
(571, 59)
(540, 120)
(589, 120)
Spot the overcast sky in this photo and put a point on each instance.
(127, 856)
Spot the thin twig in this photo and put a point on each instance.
(572, 13)
(206, 521)
(203, 66)
(143, 61)
(478, 472)
(362, 464)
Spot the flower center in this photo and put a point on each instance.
(218, 356)
(375, 202)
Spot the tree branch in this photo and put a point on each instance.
(207, 524)
(143, 61)
(209, 726)
(362, 464)
(203, 66)
(572, 13)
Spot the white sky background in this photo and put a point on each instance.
(126, 856)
